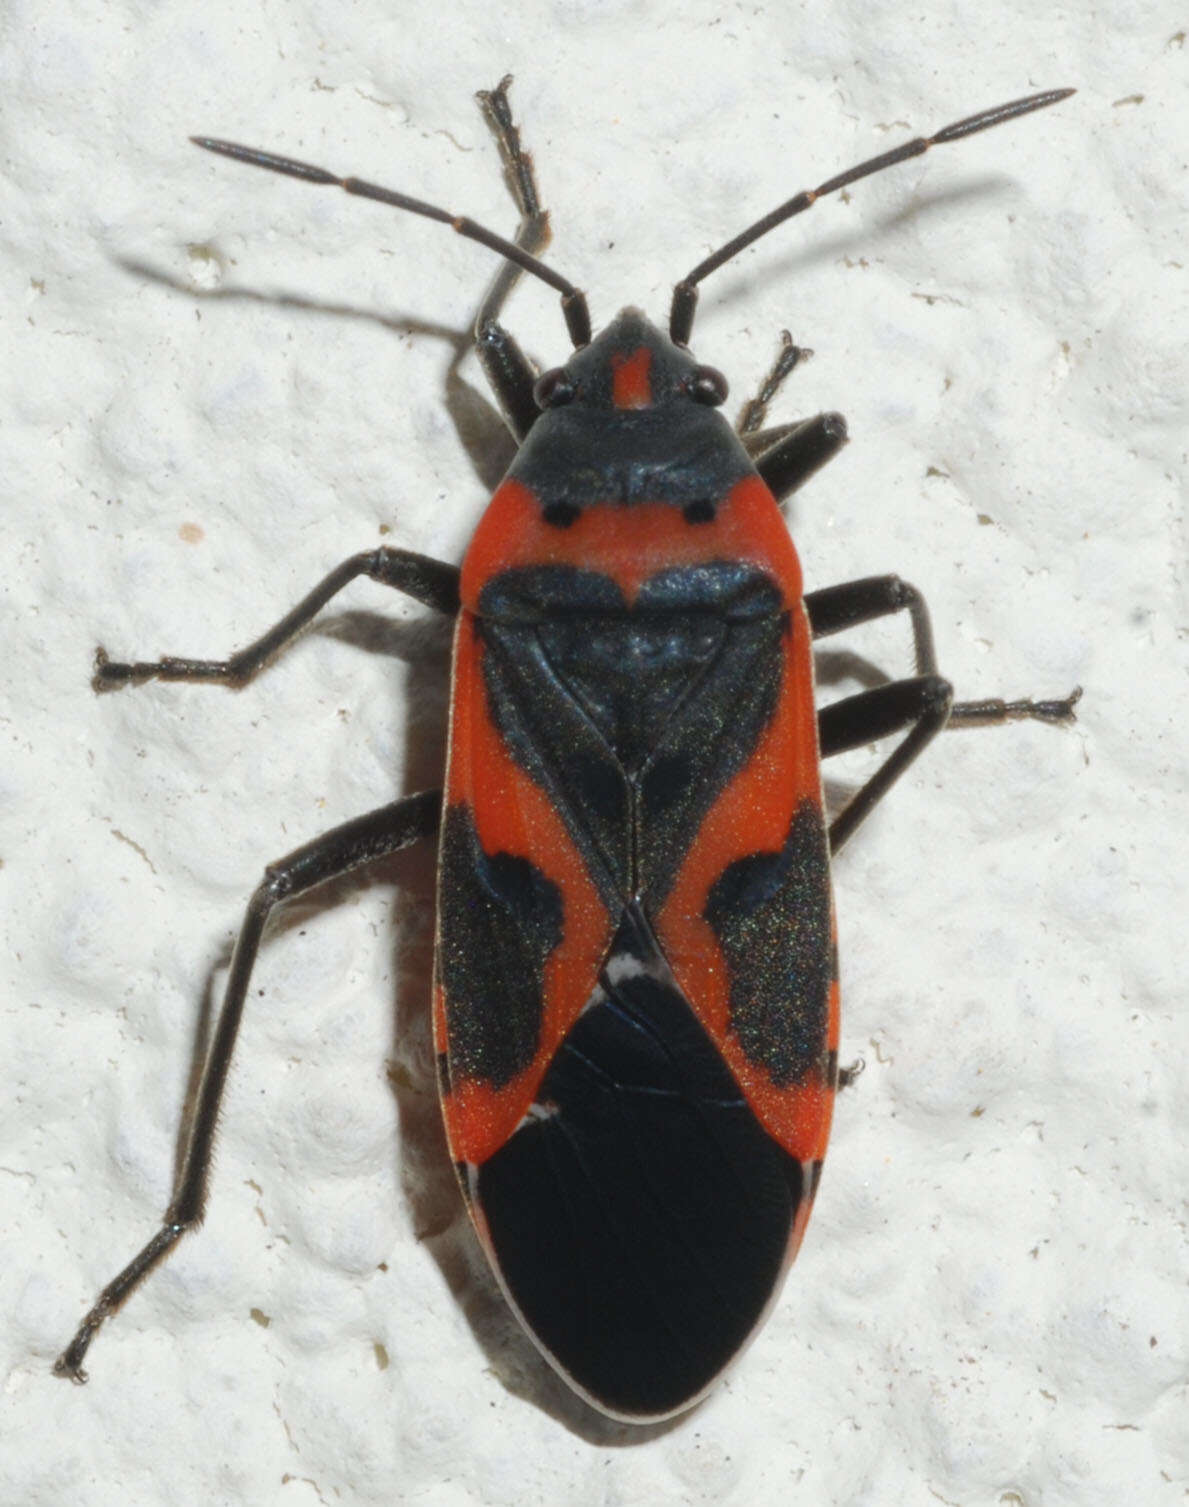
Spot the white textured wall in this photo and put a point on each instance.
(214, 385)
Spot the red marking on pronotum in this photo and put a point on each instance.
(631, 386)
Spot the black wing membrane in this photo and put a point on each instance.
(640, 1216)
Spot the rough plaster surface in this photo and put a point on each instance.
(215, 385)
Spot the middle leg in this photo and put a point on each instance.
(923, 704)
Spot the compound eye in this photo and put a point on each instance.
(552, 389)
(708, 386)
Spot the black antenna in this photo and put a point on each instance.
(573, 302)
(685, 294)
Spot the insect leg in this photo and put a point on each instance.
(509, 372)
(787, 455)
(764, 439)
(846, 606)
(797, 451)
(923, 703)
(429, 581)
(755, 410)
(355, 843)
(994, 710)
(836, 608)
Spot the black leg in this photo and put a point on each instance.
(426, 580)
(797, 454)
(509, 372)
(923, 704)
(357, 842)
(767, 439)
(836, 608)
(755, 410)
(787, 455)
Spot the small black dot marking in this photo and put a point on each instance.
(561, 514)
(701, 511)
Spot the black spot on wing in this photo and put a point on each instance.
(500, 919)
(641, 1222)
(771, 914)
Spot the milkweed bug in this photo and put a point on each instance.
(636, 991)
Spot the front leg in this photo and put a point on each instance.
(429, 581)
(798, 451)
(787, 455)
(509, 372)
(750, 424)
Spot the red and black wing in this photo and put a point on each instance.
(636, 1004)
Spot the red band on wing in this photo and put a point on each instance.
(753, 815)
(513, 815)
(633, 542)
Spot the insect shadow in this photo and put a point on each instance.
(480, 429)
(860, 243)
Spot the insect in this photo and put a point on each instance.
(636, 988)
